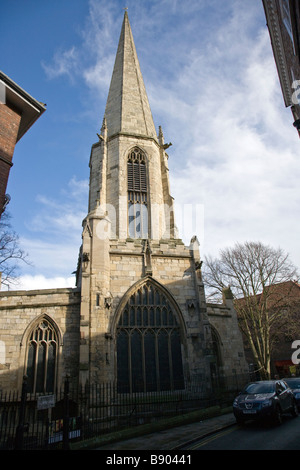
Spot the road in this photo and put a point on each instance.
(253, 436)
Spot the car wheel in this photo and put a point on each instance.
(294, 411)
(278, 415)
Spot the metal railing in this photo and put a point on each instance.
(49, 421)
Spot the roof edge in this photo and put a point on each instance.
(30, 109)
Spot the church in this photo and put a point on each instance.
(138, 315)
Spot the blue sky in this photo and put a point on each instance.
(212, 85)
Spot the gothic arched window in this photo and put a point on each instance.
(137, 194)
(41, 362)
(216, 348)
(148, 343)
(216, 361)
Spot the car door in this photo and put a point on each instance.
(283, 395)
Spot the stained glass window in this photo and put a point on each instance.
(42, 358)
(149, 356)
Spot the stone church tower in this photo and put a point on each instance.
(138, 315)
(143, 317)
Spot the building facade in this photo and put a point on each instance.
(283, 21)
(284, 306)
(18, 112)
(138, 315)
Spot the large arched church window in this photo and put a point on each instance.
(41, 364)
(137, 194)
(149, 354)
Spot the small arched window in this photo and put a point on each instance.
(137, 194)
(216, 348)
(41, 364)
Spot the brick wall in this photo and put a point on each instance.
(9, 127)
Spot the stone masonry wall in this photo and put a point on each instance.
(18, 311)
(172, 265)
(224, 320)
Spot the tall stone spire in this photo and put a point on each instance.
(127, 108)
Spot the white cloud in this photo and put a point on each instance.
(215, 91)
(93, 59)
(54, 256)
(98, 75)
(39, 281)
(63, 214)
(236, 150)
(54, 237)
(64, 63)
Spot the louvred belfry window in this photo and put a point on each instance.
(137, 194)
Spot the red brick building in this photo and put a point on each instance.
(283, 21)
(18, 112)
(285, 357)
(284, 303)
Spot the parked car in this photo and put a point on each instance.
(294, 384)
(266, 400)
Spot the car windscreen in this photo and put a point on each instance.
(259, 388)
(293, 383)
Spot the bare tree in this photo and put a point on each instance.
(253, 272)
(10, 252)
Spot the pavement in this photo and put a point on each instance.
(174, 438)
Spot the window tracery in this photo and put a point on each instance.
(149, 354)
(41, 361)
